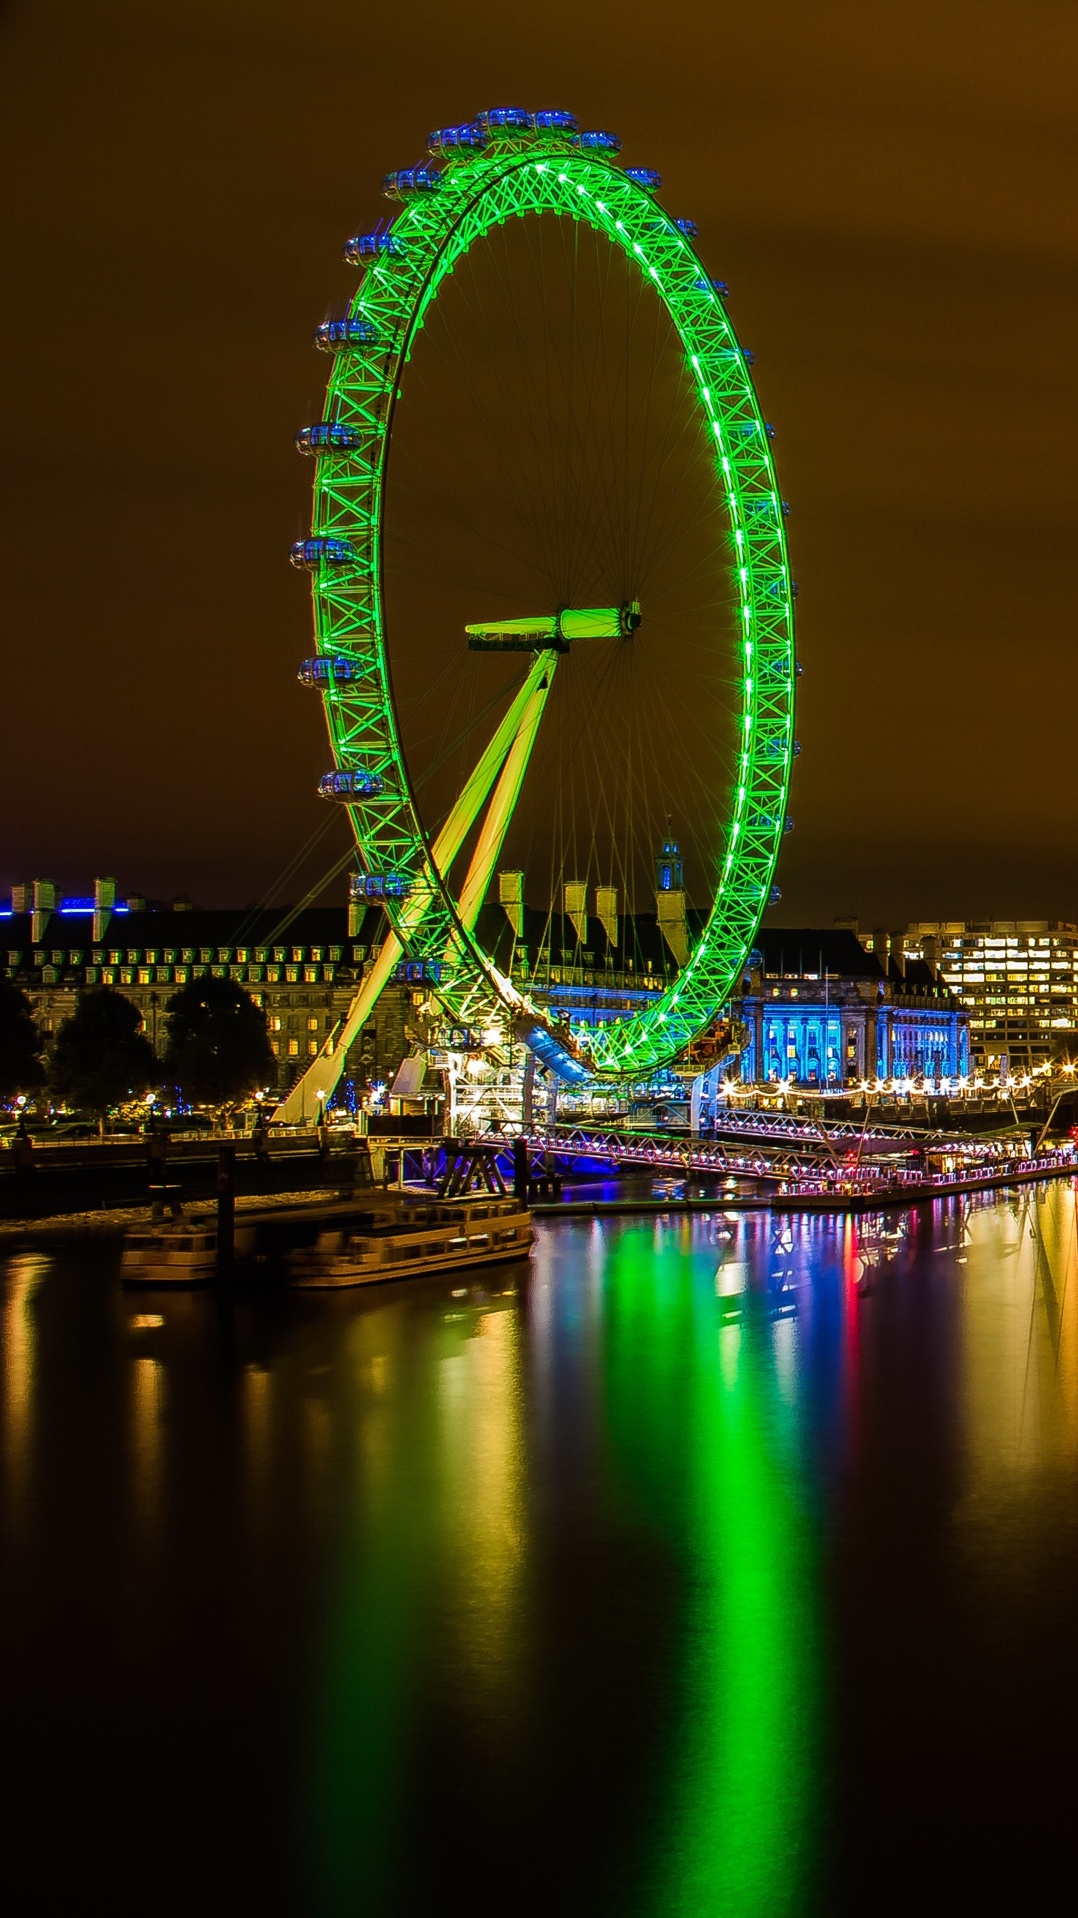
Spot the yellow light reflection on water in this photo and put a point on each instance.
(482, 1513)
(23, 1276)
(1018, 1341)
(430, 1551)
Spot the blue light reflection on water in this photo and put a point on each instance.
(660, 1573)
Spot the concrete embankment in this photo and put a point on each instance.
(94, 1179)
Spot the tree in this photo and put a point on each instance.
(102, 1055)
(21, 1067)
(218, 1046)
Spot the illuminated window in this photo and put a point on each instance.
(293, 1048)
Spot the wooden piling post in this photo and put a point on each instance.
(226, 1208)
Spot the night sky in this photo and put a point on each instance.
(890, 191)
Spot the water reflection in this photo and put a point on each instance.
(704, 1442)
(656, 1561)
(24, 1275)
(1019, 1358)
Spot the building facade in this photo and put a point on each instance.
(816, 1007)
(303, 969)
(819, 1010)
(1017, 979)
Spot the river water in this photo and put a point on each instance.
(715, 1566)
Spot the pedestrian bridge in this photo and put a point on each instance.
(764, 1146)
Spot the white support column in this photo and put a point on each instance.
(308, 1096)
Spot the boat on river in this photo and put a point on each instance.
(439, 1236)
(170, 1253)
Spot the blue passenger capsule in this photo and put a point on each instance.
(596, 141)
(328, 670)
(379, 885)
(319, 551)
(711, 286)
(332, 335)
(774, 895)
(469, 138)
(410, 182)
(329, 436)
(644, 176)
(348, 786)
(554, 120)
(505, 120)
(688, 227)
(372, 246)
(418, 972)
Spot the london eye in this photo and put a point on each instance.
(552, 604)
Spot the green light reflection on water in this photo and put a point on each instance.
(431, 1548)
(701, 1449)
(704, 1442)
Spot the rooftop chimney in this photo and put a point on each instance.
(511, 897)
(606, 907)
(44, 907)
(575, 907)
(104, 900)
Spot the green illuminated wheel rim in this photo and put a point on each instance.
(437, 227)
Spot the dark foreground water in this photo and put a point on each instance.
(693, 1574)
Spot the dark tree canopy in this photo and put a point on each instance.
(21, 1067)
(218, 1046)
(101, 1055)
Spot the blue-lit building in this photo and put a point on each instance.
(818, 1010)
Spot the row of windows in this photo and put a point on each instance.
(1015, 1027)
(1012, 944)
(179, 975)
(190, 955)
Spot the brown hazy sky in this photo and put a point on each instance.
(890, 191)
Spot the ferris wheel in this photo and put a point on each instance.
(552, 601)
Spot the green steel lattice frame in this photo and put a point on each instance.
(432, 232)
